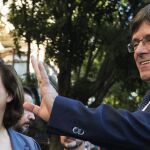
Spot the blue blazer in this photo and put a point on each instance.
(22, 142)
(115, 129)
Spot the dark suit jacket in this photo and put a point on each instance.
(22, 142)
(112, 128)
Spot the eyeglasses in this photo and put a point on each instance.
(134, 44)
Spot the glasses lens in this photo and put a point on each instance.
(146, 39)
(134, 44)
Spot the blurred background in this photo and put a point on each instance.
(84, 46)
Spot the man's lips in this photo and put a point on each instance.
(144, 65)
(69, 139)
(144, 62)
(26, 125)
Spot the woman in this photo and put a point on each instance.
(11, 102)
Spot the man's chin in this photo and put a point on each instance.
(145, 78)
(25, 129)
(72, 145)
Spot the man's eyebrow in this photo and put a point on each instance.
(137, 39)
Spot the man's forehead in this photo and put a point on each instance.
(144, 29)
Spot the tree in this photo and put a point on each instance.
(23, 15)
(87, 41)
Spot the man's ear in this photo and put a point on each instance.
(9, 98)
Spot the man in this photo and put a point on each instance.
(70, 143)
(27, 118)
(112, 128)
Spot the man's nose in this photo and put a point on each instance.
(31, 116)
(141, 48)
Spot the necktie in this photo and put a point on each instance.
(145, 104)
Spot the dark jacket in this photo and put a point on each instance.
(106, 126)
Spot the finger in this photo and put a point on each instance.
(36, 68)
(36, 110)
(43, 72)
(31, 107)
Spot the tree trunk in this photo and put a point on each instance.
(105, 79)
(64, 79)
(28, 58)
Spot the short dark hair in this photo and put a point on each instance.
(13, 86)
(142, 16)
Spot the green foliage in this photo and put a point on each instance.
(120, 97)
(87, 41)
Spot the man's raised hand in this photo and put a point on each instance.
(48, 93)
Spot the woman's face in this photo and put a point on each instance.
(4, 97)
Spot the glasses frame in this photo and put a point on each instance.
(135, 43)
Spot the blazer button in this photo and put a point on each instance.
(78, 131)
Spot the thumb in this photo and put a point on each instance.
(31, 107)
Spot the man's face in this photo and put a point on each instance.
(69, 142)
(25, 121)
(142, 52)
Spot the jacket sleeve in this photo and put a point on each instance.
(103, 125)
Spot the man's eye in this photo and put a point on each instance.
(147, 38)
(135, 44)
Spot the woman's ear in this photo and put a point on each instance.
(9, 98)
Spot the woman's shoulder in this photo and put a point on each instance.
(22, 140)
